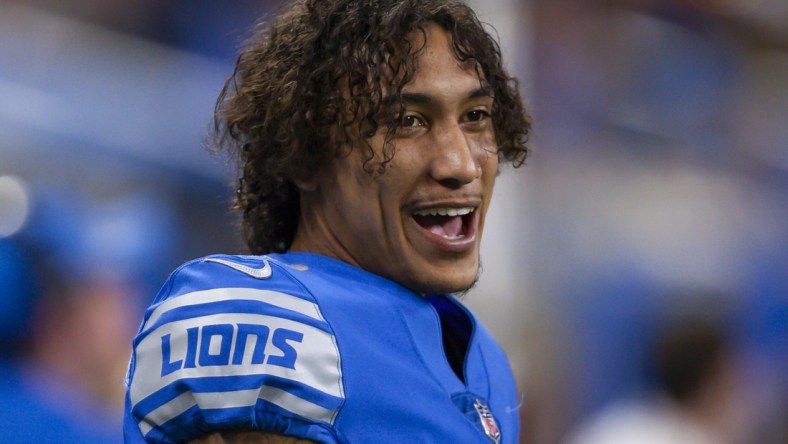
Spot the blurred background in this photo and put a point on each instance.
(636, 270)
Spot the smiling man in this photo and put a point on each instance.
(369, 136)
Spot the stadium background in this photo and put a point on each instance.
(657, 191)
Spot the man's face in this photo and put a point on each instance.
(420, 222)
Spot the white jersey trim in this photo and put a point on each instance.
(240, 398)
(281, 300)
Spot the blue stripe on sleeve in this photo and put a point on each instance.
(218, 384)
(262, 416)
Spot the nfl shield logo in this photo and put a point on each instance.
(488, 422)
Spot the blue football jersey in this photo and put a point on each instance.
(304, 345)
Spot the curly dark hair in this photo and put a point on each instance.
(304, 85)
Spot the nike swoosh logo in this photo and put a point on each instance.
(257, 273)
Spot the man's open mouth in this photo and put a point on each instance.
(450, 223)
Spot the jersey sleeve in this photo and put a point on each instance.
(233, 342)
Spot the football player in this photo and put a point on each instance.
(369, 135)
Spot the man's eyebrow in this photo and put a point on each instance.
(481, 92)
(417, 98)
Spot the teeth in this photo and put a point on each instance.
(445, 211)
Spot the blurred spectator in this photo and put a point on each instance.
(72, 281)
(695, 401)
(65, 384)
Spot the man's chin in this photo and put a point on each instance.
(439, 277)
(443, 286)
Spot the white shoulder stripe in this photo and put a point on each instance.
(166, 412)
(240, 398)
(297, 405)
(282, 300)
(220, 400)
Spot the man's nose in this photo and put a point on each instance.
(456, 161)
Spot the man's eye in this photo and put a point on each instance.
(477, 115)
(411, 121)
